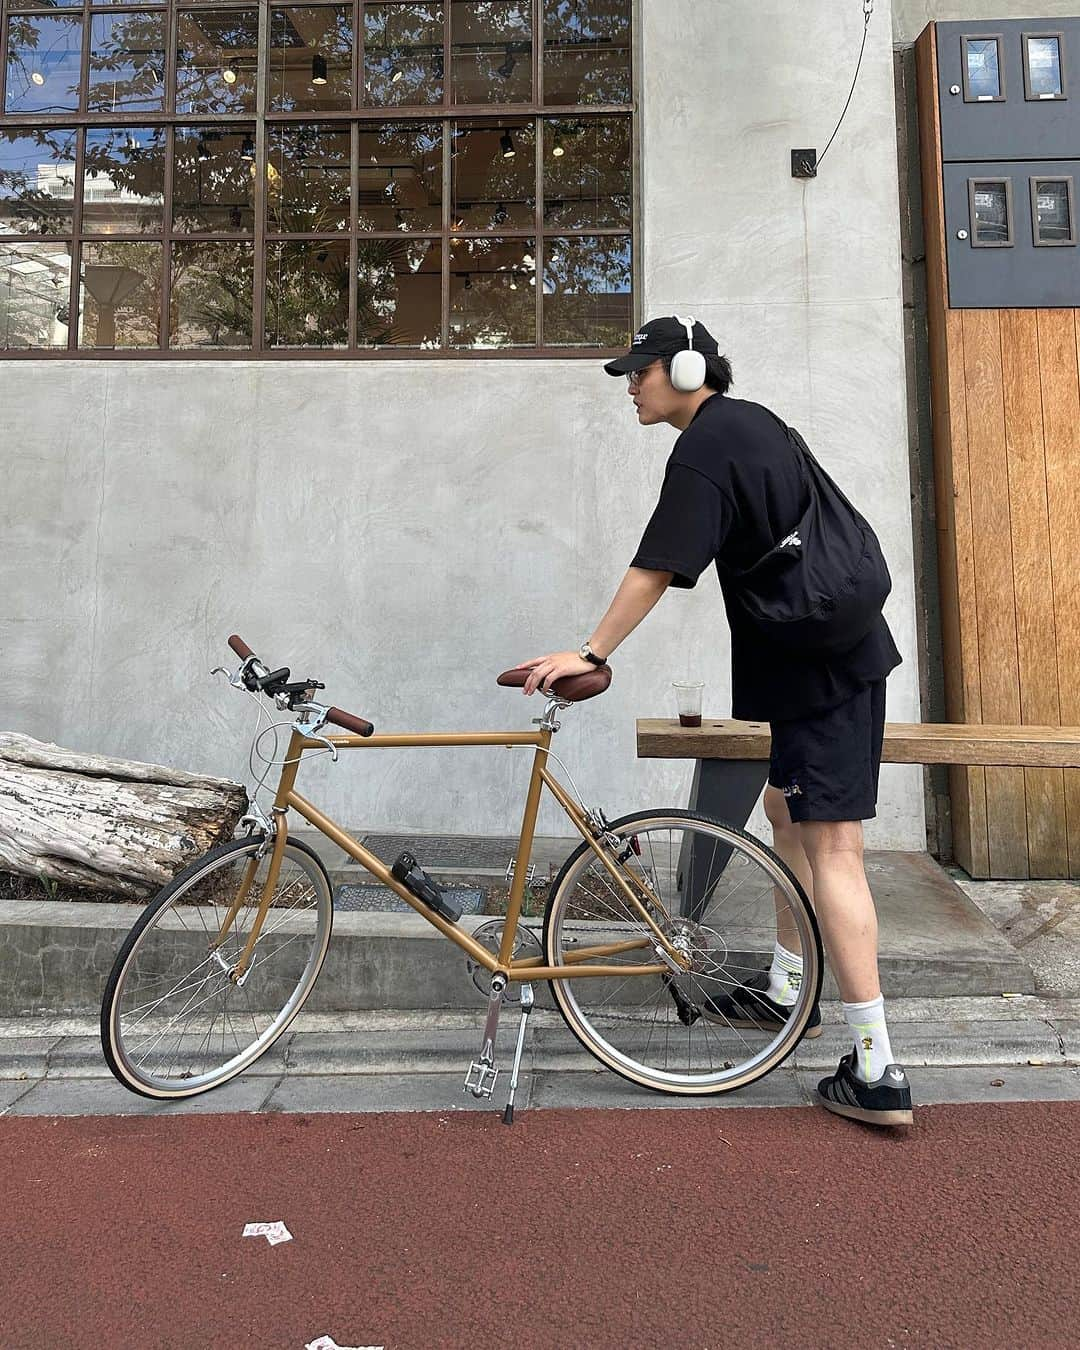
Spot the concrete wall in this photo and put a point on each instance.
(406, 530)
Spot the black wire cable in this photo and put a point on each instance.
(868, 9)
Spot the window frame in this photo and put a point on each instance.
(969, 97)
(446, 113)
(1025, 39)
(1034, 182)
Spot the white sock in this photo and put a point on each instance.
(785, 977)
(873, 1053)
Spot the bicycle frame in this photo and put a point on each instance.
(582, 963)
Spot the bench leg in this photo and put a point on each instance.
(727, 789)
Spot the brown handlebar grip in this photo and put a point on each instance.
(240, 647)
(356, 725)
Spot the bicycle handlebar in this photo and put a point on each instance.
(356, 725)
(241, 648)
(347, 721)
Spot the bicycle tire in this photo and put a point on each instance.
(574, 1007)
(119, 1055)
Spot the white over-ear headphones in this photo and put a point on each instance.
(687, 368)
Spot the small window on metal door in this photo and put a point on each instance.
(990, 207)
(1044, 66)
(1053, 217)
(984, 70)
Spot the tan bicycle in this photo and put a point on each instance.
(651, 919)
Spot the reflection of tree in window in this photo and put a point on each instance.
(586, 51)
(403, 54)
(37, 181)
(127, 62)
(43, 60)
(216, 57)
(34, 280)
(587, 292)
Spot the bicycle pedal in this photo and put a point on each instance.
(480, 1080)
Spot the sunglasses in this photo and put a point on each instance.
(634, 377)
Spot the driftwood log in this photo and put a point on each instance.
(112, 825)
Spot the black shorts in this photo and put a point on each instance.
(827, 765)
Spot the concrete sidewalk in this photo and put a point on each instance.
(956, 1050)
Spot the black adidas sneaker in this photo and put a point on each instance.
(885, 1101)
(747, 1005)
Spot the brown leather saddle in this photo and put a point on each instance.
(573, 688)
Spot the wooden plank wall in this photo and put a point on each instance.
(1005, 391)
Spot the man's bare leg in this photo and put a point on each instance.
(787, 842)
(844, 905)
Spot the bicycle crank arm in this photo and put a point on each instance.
(482, 1074)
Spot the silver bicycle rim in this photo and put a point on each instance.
(633, 1025)
(179, 1025)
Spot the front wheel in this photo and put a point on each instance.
(174, 1021)
(721, 898)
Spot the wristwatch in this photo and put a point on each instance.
(587, 654)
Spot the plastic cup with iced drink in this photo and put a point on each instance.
(688, 701)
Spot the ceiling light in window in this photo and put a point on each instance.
(318, 69)
(527, 259)
(468, 282)
(229, 72)
(500, 215)
(558, 150)
(437, 65)
(202, 152)
(507, 67)
(513, 282)
(37, 77)
(247, 149)
(507, 146)
(396, 75)
(458, 223)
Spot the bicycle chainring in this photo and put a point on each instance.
(489, 935)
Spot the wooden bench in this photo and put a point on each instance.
(733, 757)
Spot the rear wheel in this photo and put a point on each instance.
(716, 893)
(174, 1022)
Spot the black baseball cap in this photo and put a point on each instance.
(661, 337)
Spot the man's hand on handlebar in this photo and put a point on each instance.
(546, 669)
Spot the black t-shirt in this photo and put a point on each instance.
(734, 486)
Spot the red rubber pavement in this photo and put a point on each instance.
(574, 1228)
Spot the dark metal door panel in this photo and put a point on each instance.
(1017, 127)
(1017, 277)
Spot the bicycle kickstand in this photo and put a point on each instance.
(526, 1009)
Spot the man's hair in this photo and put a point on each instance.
(717, 372)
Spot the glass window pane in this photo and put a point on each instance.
(401, 176)
(587, 51)
(399, 293)
(34, 281)
(307, 178)
(119, 295)
(37, 181)
(491, 51)
(493, 293)
(1053, 216)
(403, 55)
(1044, 67)
(43, 59)
(13, 5)
(587, 174)
(493, 169)
(307, 294)
(213, 179)
(311, 58)
(216, 56)
(587, 292)
(127, 62)
(210, 299)
(991, 212)
(123, 180)
(983, 69)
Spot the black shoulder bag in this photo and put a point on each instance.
(823, 585)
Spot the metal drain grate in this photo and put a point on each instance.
(381, 899)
